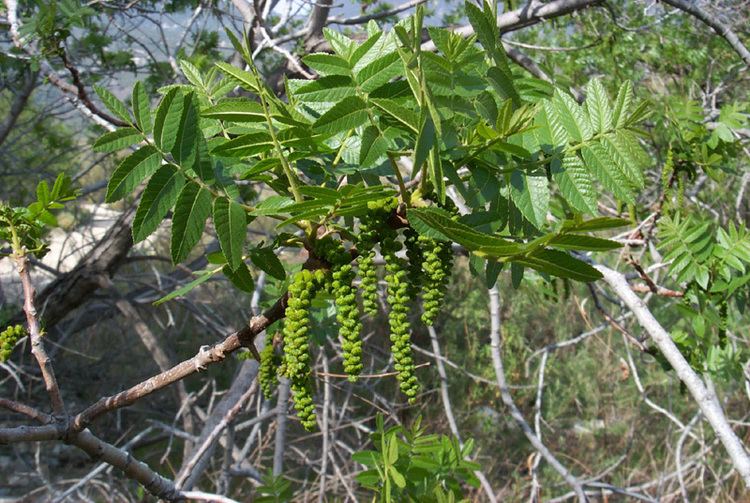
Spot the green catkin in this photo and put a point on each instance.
(347, 313)
(396, 278)
(366, 264)
(269, 362)
(305, 285)
(345, 298)
(437, 266)
(368, 283)
(303, 402)
(666, 177)
(416, 258)
(372, 227)
(8, 339)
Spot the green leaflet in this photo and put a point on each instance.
(117, 139)
(244, 79)
(185, 148)
(378, 72)
(425, 142)
(486, 107)
(245, 145)
(113, 104)
(550, 131)
(597, 105)
(623, 155)
(582, 242)
(572, 117)
(437, 223)
(327, 64)
(202, 278)
(141, 108)
(236, 110)
(401, 114)
(598, 161)
(132, 171)
(342, 45)
(377, 45)
(321, 193)
(373, 149)
(167, 119)
(241, 277)
(484, 26)
(623, 102)
(273, 205)
(201, 163)
(230, 222)
(326, 89)
(502, 82)
(348, 114)
(191, 73)
(595, 224)
(266, 260)
(190, 213)
(560, 264)
(530, 193)
(435, 170)
(575, 183)
(158, 198)
(315, 211)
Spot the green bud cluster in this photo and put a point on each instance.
(269, 362)
(437, 266)
(8, 339)
(305, 285)
(397, 279)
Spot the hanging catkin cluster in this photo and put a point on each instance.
(347, 309)
(367, 239)
(270, 360)
(413, 264)
(8, 339)
(296, 364)
(437, 266)
(397, 279)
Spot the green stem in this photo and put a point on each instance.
(293, 182)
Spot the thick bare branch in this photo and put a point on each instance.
(532, 13)
(705, 398)
(206, 356)
(720, 28)
(35, 334)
